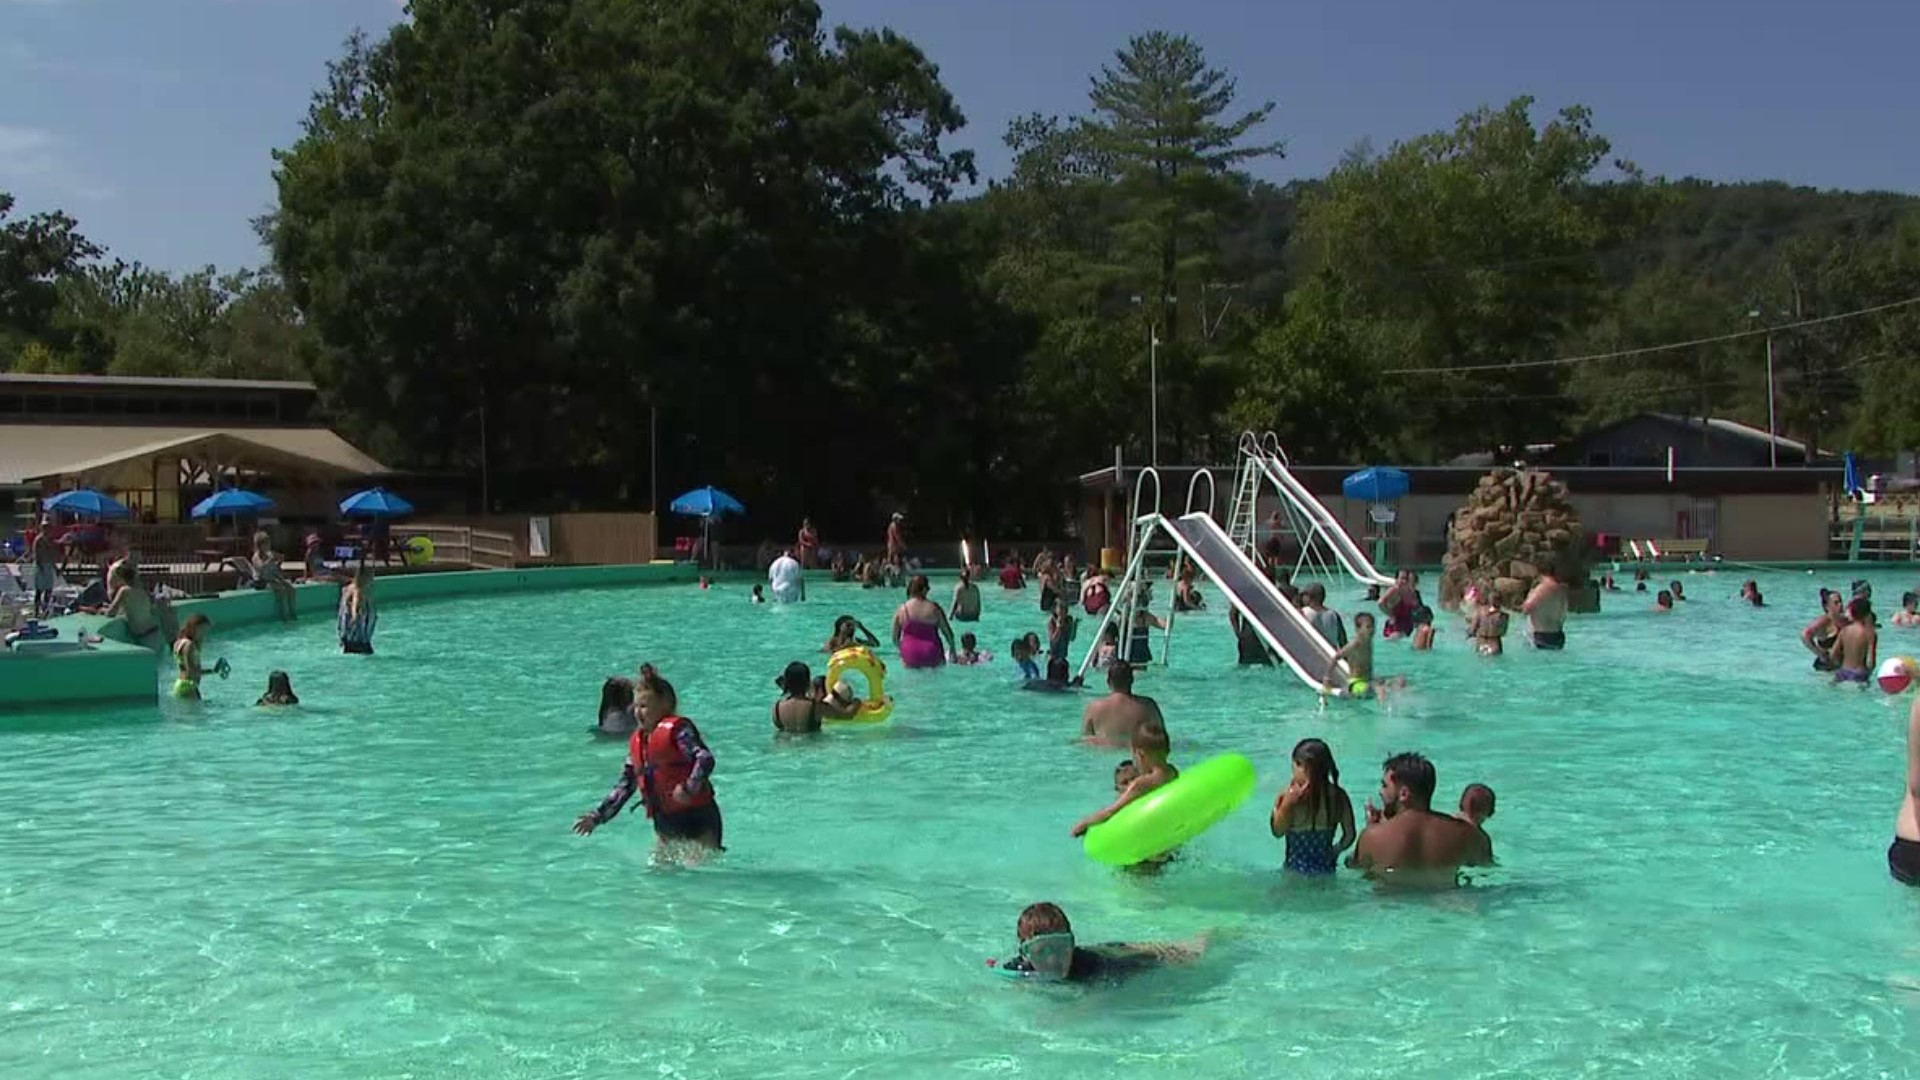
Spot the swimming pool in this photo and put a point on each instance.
(1692, 829)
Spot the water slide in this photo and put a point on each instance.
(1287, 631)
(1347, 553)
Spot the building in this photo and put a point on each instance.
(159, 445)
(1645, 441)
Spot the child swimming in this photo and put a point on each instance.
(1150, 750)
(1476, 804)
(670, 767)
(279, 690)
(1022, 654)
(970, 652)
(1048, 951)
(1358, 655)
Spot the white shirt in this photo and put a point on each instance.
(785, 574)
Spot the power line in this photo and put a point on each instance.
(1518, 365)
(1673, 390)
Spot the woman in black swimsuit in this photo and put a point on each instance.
(800, 710)
(1821, 633)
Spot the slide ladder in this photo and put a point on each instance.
(1197, 538)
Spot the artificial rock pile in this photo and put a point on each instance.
(1514, 523)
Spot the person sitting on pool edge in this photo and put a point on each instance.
(279, 690)
(669, 764)
(1150, 750)
(1048, 951)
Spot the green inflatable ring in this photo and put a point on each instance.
(1164, 819)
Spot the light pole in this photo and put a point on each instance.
(1153, 389)
(1773, 437)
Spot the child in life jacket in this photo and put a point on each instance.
(669, 765)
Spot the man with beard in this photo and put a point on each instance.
(1406, 843)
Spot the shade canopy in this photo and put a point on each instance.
(707, 502)
(375, 503)
(88, 503)
(233, 502)
(1376, 483)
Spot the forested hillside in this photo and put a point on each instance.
(565, 216)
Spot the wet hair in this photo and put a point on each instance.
(1862, 587)
(968, 641)
(1477, 800)
(1058, 670)
(651, 682)
(1120, 677)
(279, 690)
(1362, 619)
(194, 622)
(1909, 599)
(1033, 641)
(1017, 648)
(1676, 588)
(1755, 598)
(1043, 918)
(1323, 776)
(616, 694)
(1860, 610)
(844, 624)
(1413, 772)
(1125, 773)
(1152, 739)
(1664, 599)
(1423, 616)
(796, 680)
(918, 586)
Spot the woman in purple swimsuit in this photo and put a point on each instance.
(919, 626)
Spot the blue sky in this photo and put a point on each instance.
(153, 121)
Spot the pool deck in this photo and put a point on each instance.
(60, 672)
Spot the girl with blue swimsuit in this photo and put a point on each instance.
(1312, 811)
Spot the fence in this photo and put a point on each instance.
(571, 539)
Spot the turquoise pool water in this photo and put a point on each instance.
(1692, 830)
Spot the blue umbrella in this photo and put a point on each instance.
(1852, 474)
(232, 502)
(707, 502)
(88, 503)
(1378, 483)
(375, 503)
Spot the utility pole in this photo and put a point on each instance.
(1773, 428)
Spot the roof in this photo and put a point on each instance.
(145, 382)
(1717, 424)
(30, 452)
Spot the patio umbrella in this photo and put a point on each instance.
(375, 503)
(706, 502)
(232, 502)
(87, 502)
(1376, 483)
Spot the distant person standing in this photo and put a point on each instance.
(1546, 610)
(966, 598)
(46, 568)
(807, 543)
(896, 540)
(1313, 604)
(787, 579)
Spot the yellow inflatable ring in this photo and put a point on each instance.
(418, 552)
(859, 660)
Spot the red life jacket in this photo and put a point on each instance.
(663, 768)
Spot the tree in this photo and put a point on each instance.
(538, 219)
(1480, 245)
(35, 253)
(1162, 119)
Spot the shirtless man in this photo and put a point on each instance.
(966, 599)
(1858, 648)
(1546, 611)
(1406, 842)
(1112, 720)
(1903, 858)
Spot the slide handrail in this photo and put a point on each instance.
(1140, 482)
(1212, 493)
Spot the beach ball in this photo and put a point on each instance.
(1895, 674)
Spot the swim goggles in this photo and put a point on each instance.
(1042, 956)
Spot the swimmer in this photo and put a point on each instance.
(1909, 613)
(1546, 609)
(1059, 677)
(1108, 653)
(1678, 590)
(1903, 856)
(1048, 951)
(669, 765)
(1062, 628)
(756, 597)
(849, 632)
(1252, 649)
(1124, 774)
(1022, 653)
(1114, 720)
(1312, 810)
(1476, 804)
(616, 709)
(279, 690)
(1857, 651)
(1405, 842)
(1663, 601)
(359, 616)
(1490, 627)
(1150, 750)
(1358, 655)
(1423, 628)
(804, 703)
(970, 652)
(1821, 634)
(186, 653)
(1750, 592)
(966, 598)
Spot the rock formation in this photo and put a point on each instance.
(1512, 524)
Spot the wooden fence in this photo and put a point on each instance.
(571, 539)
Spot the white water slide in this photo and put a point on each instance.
(1263, 454)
